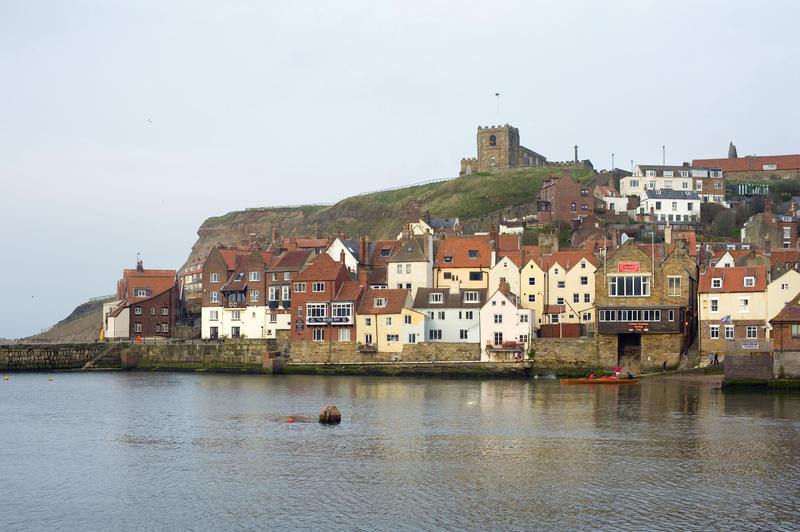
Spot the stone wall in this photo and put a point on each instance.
(575, 353)
(787, 364)
(345, 352)
(48, 357)
(749, 366)
(657, 348)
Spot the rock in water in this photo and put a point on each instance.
(330, 414)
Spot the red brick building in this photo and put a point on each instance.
(786, 327)
(324, 302)
(561, 198)
(147, 304)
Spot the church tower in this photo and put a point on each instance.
(498, 148)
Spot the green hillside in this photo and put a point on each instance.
(381, 215)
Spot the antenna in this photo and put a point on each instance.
(497, 95)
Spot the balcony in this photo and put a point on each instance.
(273, 304)
(509, 346)
(366, 348)
(286, 304)
(236, 304)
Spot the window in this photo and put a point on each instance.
(658, 205)
(713, 331)
(441, 314)
(164, 327)
(716, 282)
(255, 276)
(498, 338)
(342, 310)
(142, 292)
(214, 278)
(407, 319)
(795, 330)
(714, 304)
(299, 287)
(744, 304)
(287, 276)
(667, 184)
(274, 276)
(553, 318)
(285, 293)
(573, 207)
(555, 271)
(152, 311)
(674, 205)
(689, 206)
(531, 298)
(674, 284)
(699, 186)
(236, 315)
(472, 254)
(784, 286)
(408, 268)
(671, 316)
(273, 318)
(685, 185)
(273, 293)
(137, 327)
(650, 172)
(584, 207)
(470, 297)
(523, 318)
(634, 182)
(300, 311)
(629, 285)
(750, 282)
(772, 166)
(587, 298)
(468, 315)
(137, 311)
(164, 311)
(576, 298)
(435, 297)
(344, 335)
(380, 302)
(584, 280)
(492, 140)
(718, 185)
(587, 316)
(435, 334)
(561, 284)
(367, 338)
(318, 335)
(317, 310)
(448, 259)
(560, 301)
(475, 276)
(367, 321)
(385, 252)
(412, 338)
(729, 332)
(388, 320)
(254, 296)
(752, 331)
(399, 268)
(213, 315)
(531, 281)
(318, 287)
(498, 318)
(392, 337)
(462, 334)
(447, 275)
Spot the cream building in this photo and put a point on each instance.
(781, 291)
(380, 320)
(505, 269)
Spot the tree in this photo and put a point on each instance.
(724, 224)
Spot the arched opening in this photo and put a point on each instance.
(492, 140)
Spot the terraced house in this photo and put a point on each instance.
(646, 304)
(451, 314)
(467, 260)
(380, 320)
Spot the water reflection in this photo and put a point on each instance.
(215, 451)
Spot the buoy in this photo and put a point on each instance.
(6, 378)
(51, 378)
(291, 420)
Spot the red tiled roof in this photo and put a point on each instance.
(230, 255)
(609, 192)
(507, 243)
(157, 281)
(733, 279)
(554, 309)
(513, 256)
(350, 291)
(290, 260)
(789, 313)
(395, 299)
(784, 255)
(565, 259)
(457, 249)
(744, 164)
(321, 268)
(307, 243)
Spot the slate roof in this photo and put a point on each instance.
(409, 250)
(733, 279)
(443, 223)
(670, 194)
(449, 300)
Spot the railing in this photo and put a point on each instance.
(366, 348)
(235, 304)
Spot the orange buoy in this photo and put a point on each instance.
(291, 420)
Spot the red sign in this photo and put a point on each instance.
(628, 267)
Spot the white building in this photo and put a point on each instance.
(504, 270)
(506, 327)
(411, 266)
(451, 314)
(663, 205)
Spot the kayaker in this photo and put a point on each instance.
(591, 377)
(629, 375)
(616, 371)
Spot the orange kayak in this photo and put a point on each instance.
(599, 381)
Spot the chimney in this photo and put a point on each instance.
(576, 153)
(363, 276)
(341, 256)
(455, 286)
(317, 231)
(504, 287)
(292, 244)
(493, 236)
(768, 207)
(362, 250)
(493, 259)
(139, 267)
(668, 234)
(275, 235)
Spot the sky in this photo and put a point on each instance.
(126, 124)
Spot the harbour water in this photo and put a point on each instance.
(166, 451)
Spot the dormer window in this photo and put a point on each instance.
(472, 254)
(435, 297)
(716, 282)
(239, 276)
(470, 297)
(386, 251)
(749, 282)
(380, 302)
(448, 259)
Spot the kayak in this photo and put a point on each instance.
(599, 381)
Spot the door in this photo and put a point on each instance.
(629, 352)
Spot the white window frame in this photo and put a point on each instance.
(713, 332)
(318, 286)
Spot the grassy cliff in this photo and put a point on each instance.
(381, 215)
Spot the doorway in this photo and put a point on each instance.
(629, 352)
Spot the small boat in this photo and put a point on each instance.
(599, 381)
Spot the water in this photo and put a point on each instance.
(133, 451)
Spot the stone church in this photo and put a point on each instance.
(498, 149)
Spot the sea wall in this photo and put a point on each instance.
(47, 357)
(575, 354)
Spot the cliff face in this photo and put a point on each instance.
(477, 200)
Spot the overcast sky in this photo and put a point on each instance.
(126, 124)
